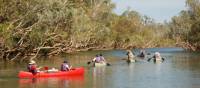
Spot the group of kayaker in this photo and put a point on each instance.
(131, 57)
(34, 69)
(156, 57)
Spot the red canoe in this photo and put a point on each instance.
(74, 72)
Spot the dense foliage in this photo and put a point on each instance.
(49, 27)
(186, 26)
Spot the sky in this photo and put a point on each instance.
(159, 10)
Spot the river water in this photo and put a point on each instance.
(181, 69)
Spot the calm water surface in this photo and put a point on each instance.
(181, 69)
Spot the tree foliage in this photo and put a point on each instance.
(186, 25)
(32, 27)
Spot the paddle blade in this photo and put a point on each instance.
(149, 59)
(108, 64)
(163, 59)
(88, 62)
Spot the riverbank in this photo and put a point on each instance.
(26, 53)
(21, 55)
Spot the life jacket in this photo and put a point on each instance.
(32, 69)
(157, 58)
(101, 58)
(97, 59)
(130, 55)
(64, 67)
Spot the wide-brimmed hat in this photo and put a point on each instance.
(157, 53)
(32, 62)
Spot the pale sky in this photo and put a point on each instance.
(159, 10)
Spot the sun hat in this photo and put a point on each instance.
(157, 53)
(32, 62)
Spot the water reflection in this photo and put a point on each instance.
(55, 82)
(179, 70)
(98, 76)
(131, 67)
(158, 67)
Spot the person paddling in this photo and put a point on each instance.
(130, 56)
(142, 53)
(32, 67)
(97, 59)
(65, 66)
(102, 59)
(157, 57)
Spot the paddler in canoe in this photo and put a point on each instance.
(156, 58)
(99, 60)
(65, 66)
(142, 53)
(65, 71)
(130, 56)
(32, 67)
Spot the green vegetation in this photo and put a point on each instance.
(186, 27)
(50, 27)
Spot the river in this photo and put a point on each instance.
(181, 69)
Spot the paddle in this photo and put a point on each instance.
(108, 64)
(149, 59)
(163, 59)
(88, 62)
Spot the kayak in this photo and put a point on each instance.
(131, 61)
(73, 72)
(99, 64)
(158, 61)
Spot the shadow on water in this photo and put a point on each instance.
(98, 76)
